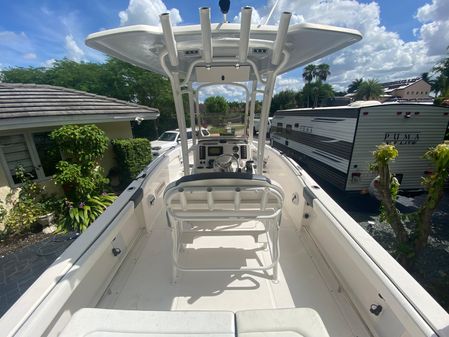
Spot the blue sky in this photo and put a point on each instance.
(401, 38)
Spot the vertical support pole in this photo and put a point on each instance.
(246, 114)
(193, 124)
(267, 96)
(252, 112)
(177, 96)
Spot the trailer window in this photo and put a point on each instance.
(296, 125)
(288, 128)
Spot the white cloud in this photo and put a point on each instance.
(435, 29)
(48, 63)
(230, 92)
(74, 52)
(30, 56)
(18, 42)
(288, 83)
(381, 54)
(255, 17)
(147, 12)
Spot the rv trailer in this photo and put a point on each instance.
(336, 143)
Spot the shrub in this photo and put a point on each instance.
(80, 216)
(132, 157)
(80, 175)
(30, 203)
(410, 242)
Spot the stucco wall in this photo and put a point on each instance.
(418, 90)
(113, 130)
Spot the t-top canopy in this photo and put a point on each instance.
(142, 46)
(222, 53)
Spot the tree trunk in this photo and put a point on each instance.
(424, 223)
(390, 209)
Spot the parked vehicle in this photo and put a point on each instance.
(336, 143)
(171, 138)
(257, 124)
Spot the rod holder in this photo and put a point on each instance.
(169, 39)
(245, 28)
(206, 34)
(281, 37)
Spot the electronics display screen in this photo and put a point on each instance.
(213, 151)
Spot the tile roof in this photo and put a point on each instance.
(33, 100)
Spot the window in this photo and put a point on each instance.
(16, 154)
(296, 125)
(48, 154)
(279, 125)
(34, 152)
(189, 134)
(288, 128)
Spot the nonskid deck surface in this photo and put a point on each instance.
(144, 281)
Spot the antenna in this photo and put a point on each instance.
(224, 7)
(271, 12)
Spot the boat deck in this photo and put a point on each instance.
(144, 280)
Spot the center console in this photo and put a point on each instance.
(208, 150)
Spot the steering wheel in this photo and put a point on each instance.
(224, 162)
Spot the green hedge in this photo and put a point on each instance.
(132, 156)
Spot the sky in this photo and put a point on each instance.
(401, 38)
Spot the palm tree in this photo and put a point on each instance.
(441, 83)
(322, 71)
(369, 90)
(354, 86)
(309, 73)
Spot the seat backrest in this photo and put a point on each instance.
(228, 194)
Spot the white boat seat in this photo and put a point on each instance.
(120, 323)
(197, 201)
(295, 322)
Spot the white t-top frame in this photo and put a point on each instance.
(279, 59)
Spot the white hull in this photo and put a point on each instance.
(328, 263)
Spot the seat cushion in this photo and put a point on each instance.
(296, 322)
(133, 323)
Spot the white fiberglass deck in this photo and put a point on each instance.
(144, 280)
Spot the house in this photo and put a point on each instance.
(414, 89)
(29, 112)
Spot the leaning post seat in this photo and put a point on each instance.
(222, 197)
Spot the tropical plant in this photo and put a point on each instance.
(441, 81)
(316, 90)
(369, 90)
(322, 72)
(355, 85)
(82, 147)
(27, 203)
(283, 100)
(410, 243)
(80, 174)
(309, 73)
(81, 215)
